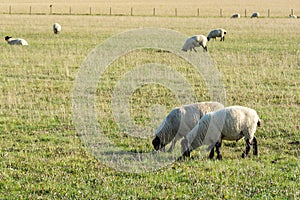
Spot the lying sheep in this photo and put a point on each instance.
(292, 16)
(255, 14)
(231, 123)
(217, 33)
(56, 28)
(236, 15)
(180, 121)
(15, 41)
(195, 41)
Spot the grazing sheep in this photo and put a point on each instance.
(217, 33)
(292, 16)
(15, 41)
(56, 28)
(180, 121)
(236, 15)
(231, 123)
(255, 14)
(195, 41)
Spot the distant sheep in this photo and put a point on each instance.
(217, 33)
(56, 28)
(180, 121)
(255, 14)
(292, 16)
(230, 123)
(236, 15)
(195, 41)
(15, 41)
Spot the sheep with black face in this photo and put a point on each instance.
(217, 33)
(56, 28)
(15, 41)
(230, 123)
(180, 121)
(195, 41)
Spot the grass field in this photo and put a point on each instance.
(42, 156)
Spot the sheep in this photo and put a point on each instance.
(230, 123)
(292, 16)
(255, 14)
(56, 28)
(236, 15)
(15, 41)
(195, 41)
(180, 121)
(217, 33)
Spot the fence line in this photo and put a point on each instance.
(131, 12)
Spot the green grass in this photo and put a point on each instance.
(42, 156)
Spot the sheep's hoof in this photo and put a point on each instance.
(181, 158)
(255, 152)
(186, 154)
(244, 155)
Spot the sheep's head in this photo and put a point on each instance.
(157, 143)
(7, 38)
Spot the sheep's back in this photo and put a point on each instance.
(191, 114)
(214, 33)
(206, 107)
(17, 41)
(238, 122)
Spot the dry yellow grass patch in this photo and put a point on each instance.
(278, 8)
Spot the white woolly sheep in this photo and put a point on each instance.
(292, 16)
(15, 41)
(236, 15)
(56, 28)
(255, 14)
(195, 41)
(231, 123)
(217, 33)
(180, 121)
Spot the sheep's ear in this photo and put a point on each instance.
(258, 123)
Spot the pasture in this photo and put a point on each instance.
(42, 156)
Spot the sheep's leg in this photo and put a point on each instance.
(185, 149)
(254, 143)
(218, 146)
(247, 148)
(172, 144)
(212, 153)
(187, 153)
(194, 49)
